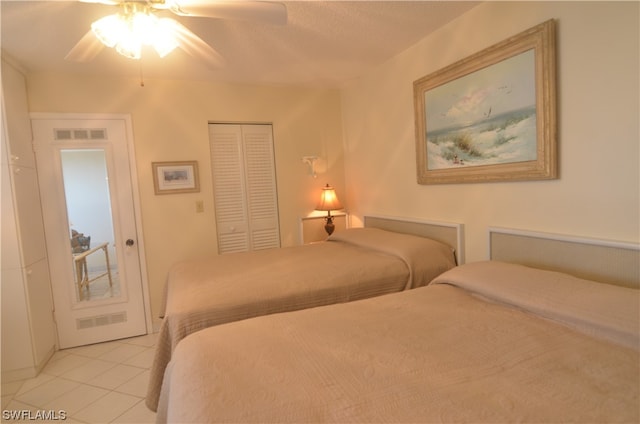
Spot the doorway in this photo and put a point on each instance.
(87, 181)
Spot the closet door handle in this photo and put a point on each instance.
(129, 242)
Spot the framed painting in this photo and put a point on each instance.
(175, 177)
(491, 116)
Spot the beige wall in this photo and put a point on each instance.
(169, 121)
(597, 194)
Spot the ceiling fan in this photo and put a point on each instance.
(137, 24)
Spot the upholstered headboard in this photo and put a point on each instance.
(449, 233)
(594, 259)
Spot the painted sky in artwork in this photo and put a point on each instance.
(505, 86)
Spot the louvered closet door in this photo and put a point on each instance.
(229, 188)
(246, 201)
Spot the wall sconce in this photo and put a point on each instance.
(310, 161)
(328, 202)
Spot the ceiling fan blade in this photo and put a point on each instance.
(197, 47)
(86, 49)
(261, 11)
(107, 2)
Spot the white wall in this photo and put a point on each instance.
(597, 193)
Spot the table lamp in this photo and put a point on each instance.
(328, 202)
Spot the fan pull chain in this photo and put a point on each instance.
(141, 76)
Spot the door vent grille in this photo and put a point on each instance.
(100, 320)
(80, 133)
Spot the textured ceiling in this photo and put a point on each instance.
(324, 43)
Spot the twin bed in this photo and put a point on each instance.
(494, 341)
(384, 257)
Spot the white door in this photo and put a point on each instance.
(87, 191)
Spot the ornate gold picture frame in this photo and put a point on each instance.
(491, 116)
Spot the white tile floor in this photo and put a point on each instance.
(101, 383)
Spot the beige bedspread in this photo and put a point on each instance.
(440, 353)
(353, 264)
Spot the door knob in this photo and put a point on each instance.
(129, 242)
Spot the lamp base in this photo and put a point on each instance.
(329, 227)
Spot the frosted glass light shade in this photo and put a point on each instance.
(127, 33)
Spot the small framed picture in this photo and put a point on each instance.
(175, 177)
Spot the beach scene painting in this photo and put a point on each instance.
(491, 116)
(487, 117)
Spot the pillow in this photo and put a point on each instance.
(425, 258)
(601, 310)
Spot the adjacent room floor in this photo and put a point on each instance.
(101, 383)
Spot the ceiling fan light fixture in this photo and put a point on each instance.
(130, 48)
(109, 30)
(137, 24)
(128, 31)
